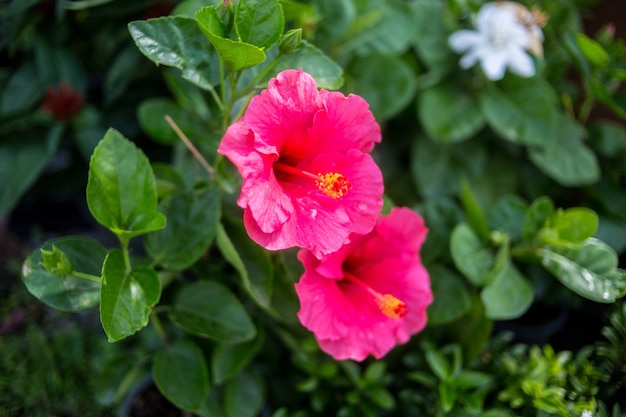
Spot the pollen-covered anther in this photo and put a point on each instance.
(333, 184)
(391, 307)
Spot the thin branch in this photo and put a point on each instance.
(190, 146)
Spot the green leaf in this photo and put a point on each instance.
(441, 215)
(508, 215)
(438, 364)
(536, 217)
(508, 295)
(66, 293)
(117, 377)
(180, 372)
(230, 358)
(374, 373)
(523, 110)
(251, 261)
(474, 213)
(430, 34)
(188, 95)
(574, 225)
(326, 72)
(236, 55)
(168, 180)
(151, 114)
(178, 42)
(244, 395)
(385, 100)
(450, 296)
(381, 397)
(192, 220)
(121, 72)
(121, 191)
(447, 396)
(566, 159)
(590, 270)
(608, 137)
(259, 22)
(22, 91)
(593, 51)
(126, 297)
(470, 255)
(209, 308)
(22, 159)
(448, 114)
(472, 379)
(56, 262)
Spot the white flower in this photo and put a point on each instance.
(586, 413)
(501, 41)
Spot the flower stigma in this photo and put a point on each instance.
(332, 184)
(389, 305)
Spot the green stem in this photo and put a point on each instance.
(88, 277)
(124, 244)
(158, 326)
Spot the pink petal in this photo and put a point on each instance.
(285, 107)
(346, 124)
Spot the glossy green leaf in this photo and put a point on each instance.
(612, 231)
(258, 22)
(590, 270)
(121, 72)
(180, 372)
(447, 396)
(450, 296)
(399, 88)
(22, 91)
(178, 42)
(438, 364)
(508, 295)
(22, 159)
(230, 358)
(566, 159)
(188, 95)
(472, 379)
(574, 225)
(470, 255)
(608, 137)
(121, 190)
(249, 259)
(430, 35)
(117, 377)
(66, 293)
(237, 55)
(448, 113)
(441, 215)
(536, 217)
(326, 72)
(210, 309)
(244, 395)
(381, 397)
(192, 220)
(152, 112)
(507, 215)
(522, 110)
(126, 296)
(473, 212)
(593, 51)
(168, 180)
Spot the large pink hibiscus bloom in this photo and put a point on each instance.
(370, 295)
(308, 180)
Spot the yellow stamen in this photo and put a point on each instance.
(389, 305)
(333, 184)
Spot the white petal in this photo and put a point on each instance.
(462, 40)
(494, 65)
(521, 63)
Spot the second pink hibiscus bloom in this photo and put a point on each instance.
(308, 180)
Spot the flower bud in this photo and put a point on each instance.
(291, 41)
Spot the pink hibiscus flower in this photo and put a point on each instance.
(308, 180)
(370, 295)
